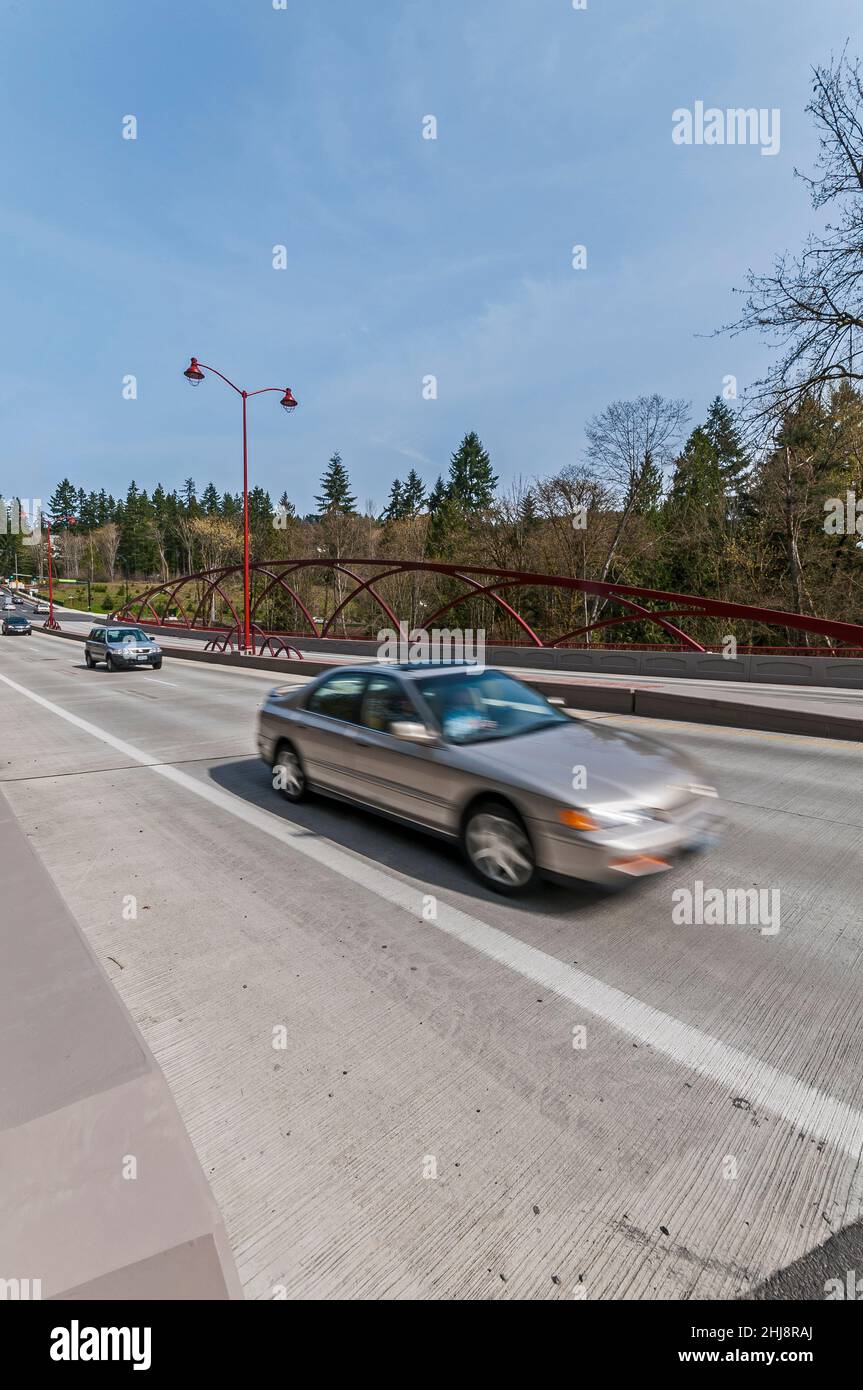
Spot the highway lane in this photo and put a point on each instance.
(836, 701)
(662, 1164)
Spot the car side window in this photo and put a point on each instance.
(96, 635)
(339, 697)
(384, 703)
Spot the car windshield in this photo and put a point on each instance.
(17, 622)
(473, 706)
(126, 634)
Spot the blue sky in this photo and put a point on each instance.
(406, 257)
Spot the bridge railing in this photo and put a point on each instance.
(192, 596)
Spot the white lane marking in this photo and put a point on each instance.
(153, 681)
(739, 1074)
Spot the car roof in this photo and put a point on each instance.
(411, 670)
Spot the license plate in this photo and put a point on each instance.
(639, 865)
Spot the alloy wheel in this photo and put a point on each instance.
(289, 776)
(499, 849)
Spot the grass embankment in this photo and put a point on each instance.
(104, 597)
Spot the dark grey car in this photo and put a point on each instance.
(121, 648)
(476, 755)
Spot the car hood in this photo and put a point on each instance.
(619, 766)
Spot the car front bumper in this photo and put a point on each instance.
(611, 856)
(130, 662)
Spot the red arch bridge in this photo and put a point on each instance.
(191, 598)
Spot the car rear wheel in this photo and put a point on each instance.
(498, 848)
(88, 661)
(288, 773)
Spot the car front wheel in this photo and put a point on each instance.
(498, 848)
(289, 776)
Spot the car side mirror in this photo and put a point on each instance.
(412, 731)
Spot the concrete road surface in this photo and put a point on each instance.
(399, 1085)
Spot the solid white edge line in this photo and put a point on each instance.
(802, 1106)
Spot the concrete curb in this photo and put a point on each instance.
(580, 694)
(83, 1107)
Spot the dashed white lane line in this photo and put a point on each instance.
(805, 1107)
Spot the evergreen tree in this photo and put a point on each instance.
(447, 523)
(734, 462)
(260, 509)
(63, 504)
(210, 500)
(394, 510)
(529, 514)
(413, 494)
(648, 493)
(335, 493)
(190, 497)
(694, 518)
(88, 511)
(438, 496)
(286, 507)
(697, 479)
(138, 553)
(471, 480)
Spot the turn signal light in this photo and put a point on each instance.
(578, 820)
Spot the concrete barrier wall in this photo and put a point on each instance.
(82, 1099)
(770, 669)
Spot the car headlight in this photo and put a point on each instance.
(595, 818)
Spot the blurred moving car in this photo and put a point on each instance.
(42, 607)
(16, 625)
(477, 756)
(121, 648)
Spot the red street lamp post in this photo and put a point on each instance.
(194, 374)
(51, 625)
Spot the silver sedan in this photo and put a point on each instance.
(477, 756)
